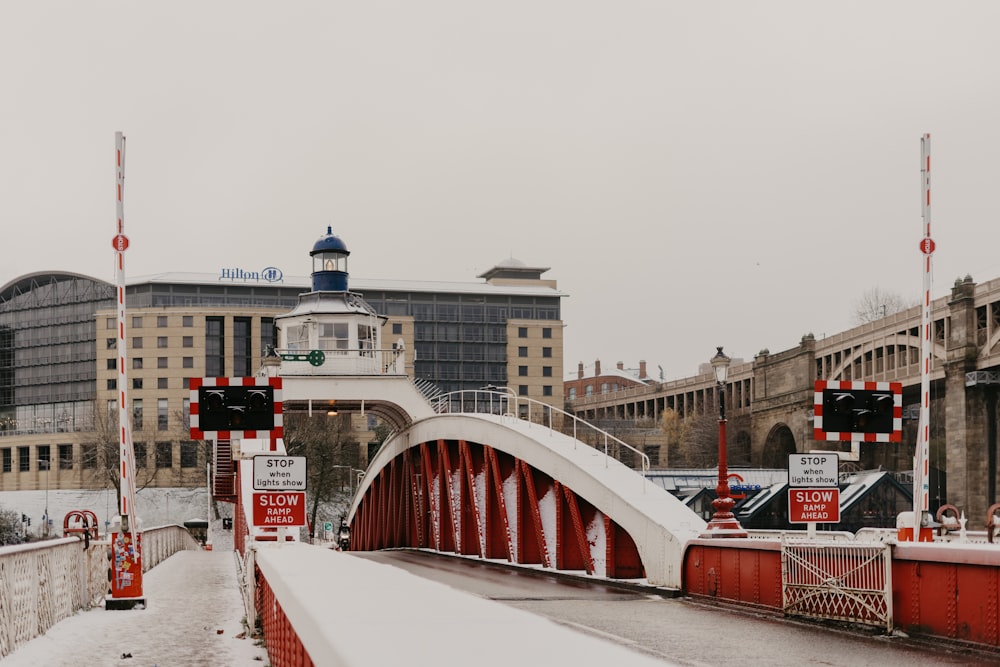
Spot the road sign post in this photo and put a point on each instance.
(814, 492)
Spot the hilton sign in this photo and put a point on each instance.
(267, 275)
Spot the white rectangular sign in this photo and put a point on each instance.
(816, 470)
(279, 473)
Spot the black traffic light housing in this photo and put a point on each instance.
(857, 411)
(236, 408)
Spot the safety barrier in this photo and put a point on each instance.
(42, 583)
(945, 590)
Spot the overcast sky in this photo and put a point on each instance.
(694, 173)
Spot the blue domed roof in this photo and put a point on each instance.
(329, 243)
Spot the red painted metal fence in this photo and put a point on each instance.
(284, 648)
(939, 590)
(467, 498)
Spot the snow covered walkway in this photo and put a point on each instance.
(194, 616)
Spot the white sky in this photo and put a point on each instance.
(712, 173)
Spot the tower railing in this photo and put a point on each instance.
(358, 361)
(503, 401)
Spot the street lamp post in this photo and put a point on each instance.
(723, 523)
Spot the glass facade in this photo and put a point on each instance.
(460, 340)
(48, 352)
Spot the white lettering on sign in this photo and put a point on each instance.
(279, 509)
(813, 496)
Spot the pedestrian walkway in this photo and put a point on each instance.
(194, 616)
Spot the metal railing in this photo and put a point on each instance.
(364, 361)
(42, 583)
(504, 402)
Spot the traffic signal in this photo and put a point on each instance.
(236, 408)
(858, 411)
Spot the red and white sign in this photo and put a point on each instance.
(814, 505)
(279, 509)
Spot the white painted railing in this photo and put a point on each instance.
(503, 401)
(42, 583)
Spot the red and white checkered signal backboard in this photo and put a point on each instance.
(197, 386)
(868, 423)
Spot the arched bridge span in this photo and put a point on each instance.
(504, 488)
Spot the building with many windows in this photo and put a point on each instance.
(58, 356)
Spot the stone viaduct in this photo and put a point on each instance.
(774, 396)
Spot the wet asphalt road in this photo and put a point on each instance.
(680, 631)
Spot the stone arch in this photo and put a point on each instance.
(779, 443)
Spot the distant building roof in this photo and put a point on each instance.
(357, 284)
(513, 268)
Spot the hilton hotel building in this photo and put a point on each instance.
(58, 350)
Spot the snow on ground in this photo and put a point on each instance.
(194, 616)
(154, 506)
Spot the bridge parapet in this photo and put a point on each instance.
(320, 606)
(45, 582)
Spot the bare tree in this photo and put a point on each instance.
(102, 456)
(877, 303)
(330, 455)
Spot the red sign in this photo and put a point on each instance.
(120, 243)
(279, 509)
(927, 246)
(814, 505)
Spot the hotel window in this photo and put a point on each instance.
(547, 390)
(65, 457)
(187, 321)
(268, 335)
(112, 363)
(215, 362)
(189, 454)
(88, 456)
(140, 454)
(161, 341)
(111, 343)
(136, 362)
(111, 323)
(187, 362)
(23, 459)
(137, 343)
(137, 322)
(546, 352)
(547, 371)
(161, 383)
(164, 455)
(44, 457)
(7, 461)
(161, 362)
(522, 351)
(187, 341)
(546, 332)
(522, 332)
(242, 347)
(137, 383)
(112, 385)
(161, 321)
(522, 390)
(397, 328)
(137, 413)
(162, 416)
(522, 371)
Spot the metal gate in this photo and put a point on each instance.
(844, 582)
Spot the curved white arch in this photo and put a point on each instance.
(659, 523)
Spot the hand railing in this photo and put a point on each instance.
(503, 401)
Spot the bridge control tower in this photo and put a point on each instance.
(331, 354)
